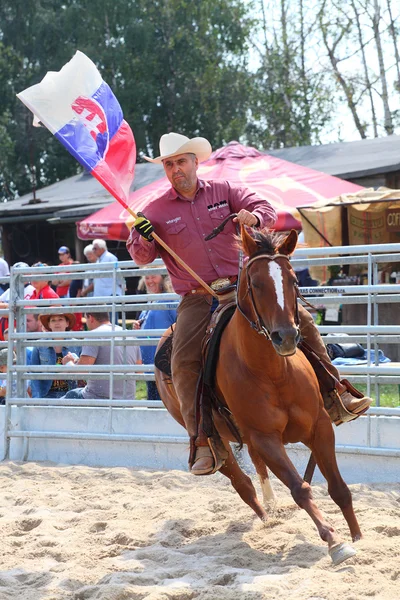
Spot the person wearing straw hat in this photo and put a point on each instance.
(53, 355)
(183, 217)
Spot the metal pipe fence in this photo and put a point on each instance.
(372, 334)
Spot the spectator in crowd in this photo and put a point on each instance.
(28, 287)
(101, 355)
(33, 325)
(3, 372)
(53, 355)
(4, 272)
(88, 283)
(103, 286)
(64, 255)
(42, 291)
(5, 298)
(154, 319)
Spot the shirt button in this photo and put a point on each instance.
(209, 249)
(192, 202)
(198, 218)
(216, 266)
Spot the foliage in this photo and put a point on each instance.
(389, 394)
(272, 73)
(173, 64)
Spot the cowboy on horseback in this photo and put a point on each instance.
(183, 217)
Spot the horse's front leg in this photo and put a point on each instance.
(242, 484)
(323, 449)
(272, 450)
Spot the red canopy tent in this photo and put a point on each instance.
(285, 185)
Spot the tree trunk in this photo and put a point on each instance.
(393, 33)
(388, 123)
(304, 82)
(334, 62)
(365, 66)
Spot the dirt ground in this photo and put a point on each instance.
(119, 534)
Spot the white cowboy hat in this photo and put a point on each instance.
(172, 144)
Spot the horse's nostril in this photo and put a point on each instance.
(285, 337)
(276, 338)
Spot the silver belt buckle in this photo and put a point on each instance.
(220, 284)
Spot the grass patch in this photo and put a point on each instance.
(141, 390)
(389, 394)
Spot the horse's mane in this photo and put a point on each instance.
(267, 241)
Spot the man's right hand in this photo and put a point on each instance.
(144, 227)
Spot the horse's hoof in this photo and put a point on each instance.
(341, 552)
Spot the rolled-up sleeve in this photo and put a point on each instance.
(141, 251)
(244, 198)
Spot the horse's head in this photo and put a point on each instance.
(268, 289)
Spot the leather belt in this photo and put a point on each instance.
(217, 285)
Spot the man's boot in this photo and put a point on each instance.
(207, 454)
(352, 399)
(203, 461)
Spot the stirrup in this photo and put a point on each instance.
(203, 452)
(218, 453)
(335, 406)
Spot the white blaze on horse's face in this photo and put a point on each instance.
(276, 273)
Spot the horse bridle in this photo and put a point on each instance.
(258, 325)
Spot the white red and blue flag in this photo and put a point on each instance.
(80, 109)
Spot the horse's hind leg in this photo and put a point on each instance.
(323, 448)
(271, 449)
(242, 484)
(262, 472)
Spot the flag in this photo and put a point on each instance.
(81, 111)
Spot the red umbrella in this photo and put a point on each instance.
(285, 185)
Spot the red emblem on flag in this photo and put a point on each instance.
(92, 116)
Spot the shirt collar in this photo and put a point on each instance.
(174, 195)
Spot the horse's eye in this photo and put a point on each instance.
(257, 284)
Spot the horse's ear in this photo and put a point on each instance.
(249, 244)
(289, 244)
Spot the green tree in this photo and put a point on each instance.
(173, 65)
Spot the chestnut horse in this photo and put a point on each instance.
(271, 389)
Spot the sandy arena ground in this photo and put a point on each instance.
(118, 534)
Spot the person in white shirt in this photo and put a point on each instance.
(88, 283)
(4, 272)
(103, 286)
(28, 288)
